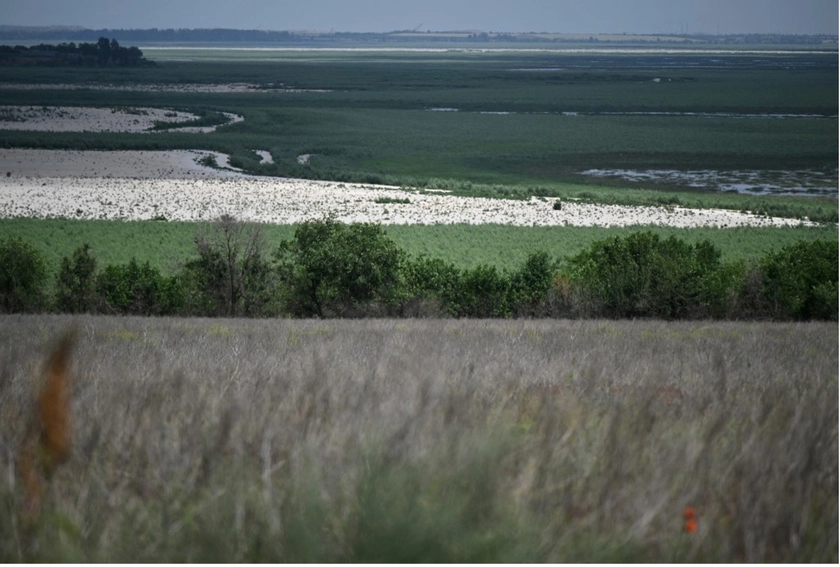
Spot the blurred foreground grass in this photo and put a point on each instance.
(561, 441)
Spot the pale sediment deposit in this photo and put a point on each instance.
(265, 156)
(136, 185)
(161, 88)
(91, 165)
(91, 119)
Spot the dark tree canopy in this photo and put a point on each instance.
(103, 52)
(333, 269)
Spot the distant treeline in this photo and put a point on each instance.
(224, 35)
(103, 52)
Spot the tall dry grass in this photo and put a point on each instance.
(242, 440)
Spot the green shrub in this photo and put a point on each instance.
(23, 276)
(644, 276)
(530, 284)
(483, 292)
(335, 269)
(720, 296)
(208, 161)
(76, 282)
(430, 286)
(392, 201)
(138, 289)
(800, 281)
(206, 284)
(230, 276)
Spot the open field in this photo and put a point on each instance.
(216, 440)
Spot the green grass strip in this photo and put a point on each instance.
(167, 244)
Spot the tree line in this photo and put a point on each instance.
(104, 52)
(329, 269)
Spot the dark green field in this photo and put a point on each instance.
(376, 122)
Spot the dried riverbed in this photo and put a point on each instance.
(135, 120)
(174, 185)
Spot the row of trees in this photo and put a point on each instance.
(103, 52)
(330, 269)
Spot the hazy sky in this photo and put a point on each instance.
(570, 16)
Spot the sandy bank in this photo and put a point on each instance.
(136, 120)
(161, 88)
(145, 185)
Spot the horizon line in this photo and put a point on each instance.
(78, 28)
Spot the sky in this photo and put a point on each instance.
(558, 16)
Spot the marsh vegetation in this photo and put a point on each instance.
(364, 116)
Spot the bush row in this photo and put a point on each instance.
(330, 269)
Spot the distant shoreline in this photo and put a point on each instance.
(21, 35)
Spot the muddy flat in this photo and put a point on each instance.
(142, 185)
(136, 120)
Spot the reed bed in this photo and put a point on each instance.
(381, 440)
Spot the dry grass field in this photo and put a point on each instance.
(380, 440)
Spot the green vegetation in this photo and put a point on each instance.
(426, 38)
(75, 282)
(23, 276)
(329, 269)
(454, 441)
(138, 289)
(643, 276)
(103, 52)
(230, 276)
(166, 244)
(392, 201)
(802, 280)
(205, 118)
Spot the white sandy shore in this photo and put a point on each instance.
(90, 119)
(145, 185)
(160, 88)
(173, 164)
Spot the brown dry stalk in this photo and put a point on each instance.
(47, 442)
(54, 406)
(31, 480)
